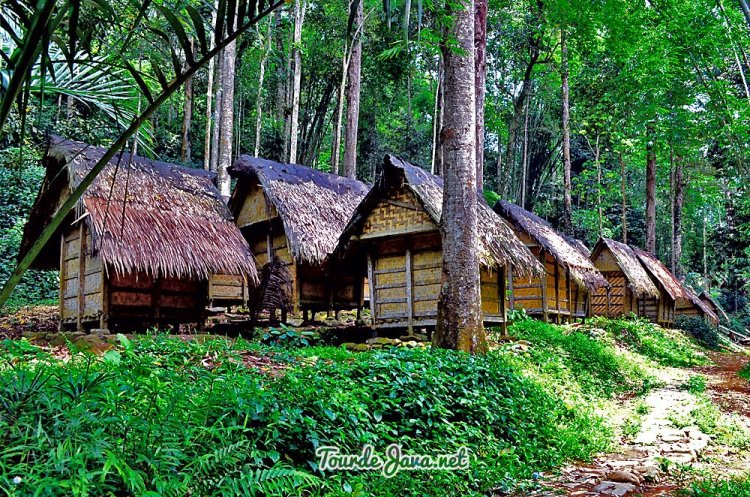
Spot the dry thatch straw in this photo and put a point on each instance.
(565, 253)
(661, 274)
(639, 281)
(694, 299)
(580, 246)
(144, 215)
(498, 244)
(313, 205)
(711, 303)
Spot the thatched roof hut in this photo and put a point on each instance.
(140, 219)
(566, 253)
(393, 238)
(638, 280)
(498, 243)
(707, 299)
(292, 217)
(693, 305)
(580, 246)
(661, 275)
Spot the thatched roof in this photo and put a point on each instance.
(565, 253)
(661, 274)
(580, 246)
(497, 242)
(144, 215)
(694, 299)
(314, 206)
(639, 281)
(706, 298)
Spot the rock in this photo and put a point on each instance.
(350, 345)
(100, 332)
(58, 340)
(613, 488)
(649, 472)
(32, 336)
(625, 477)
(93, 344)
(361, 347)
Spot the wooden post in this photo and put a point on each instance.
(360, 297)
(409, 297)
(569, 288)
(81, 274)
(609, 294)
(62, 281)
(104, 317)
(510, 288)
(501, 291)
(557, 291)
(545, 311)
(371, 279)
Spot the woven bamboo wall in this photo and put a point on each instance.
(398, 212)
(80, 303)
(255, 208)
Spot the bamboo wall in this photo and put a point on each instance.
(404, 265)
(89, 298)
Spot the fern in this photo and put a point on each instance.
(277, 480)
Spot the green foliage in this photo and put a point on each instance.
(745, 372)
(716, 488)
(695, 384)
(285, 336)
(667, 347)
(703, 332)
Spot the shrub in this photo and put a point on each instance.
(731, 488)
(699, 329)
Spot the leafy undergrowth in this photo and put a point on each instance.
(745, 372)
(732, 488)
(166, 416)
(666, 347)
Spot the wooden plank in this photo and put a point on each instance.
(409, 296)
(62, 279)
(405, 205)
(501, 290)
(545, 314)
(81, 273)
(512, 290)
(371, 280)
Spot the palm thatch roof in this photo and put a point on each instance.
(580, 246)
(498, 244)
(694, 299)
(639, 281)
(661, 275)
(144, 215)
(567, 254)
(711, 302)
(314, 206)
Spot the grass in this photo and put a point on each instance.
(165, 416)
(712, 488)
(745, 372)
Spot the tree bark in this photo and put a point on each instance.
(336, 145)
(650, 193)
(207, 149)
(299, 18)
(745, 11)
(623, 187)
(459, 321)
(216, 130)
(679, 197)
(229, 58)
(525, 158)
(187, 117)
(259, 98)
(352, 96)
(437, 146)
(599, 186)
(567, 185)
(480, 78)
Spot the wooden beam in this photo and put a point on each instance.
(403, 204)
(398, 232)
(62, 280)
(545, 307)
(371, 279)
(409, 300)
(501, 291)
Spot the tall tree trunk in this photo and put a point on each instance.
(187, 117)
(480, 78)
(679, 197)
(650, 193)
(352, 96)
(336, 145)
(745, 11)
(229, 58)
(623, 188)
(299, 18)
(599, 186)
(525, 159)
(459, 321)
(216, 131)
(207, 150)
(259, 98)
(567, 185)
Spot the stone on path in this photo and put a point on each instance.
(614, 489)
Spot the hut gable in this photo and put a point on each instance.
(704, 307)
(144, 216)
(581, 268)
(313, 206)
(627, 261)
(498, 243)
(661, 275)
(398, 212)
(713, 305)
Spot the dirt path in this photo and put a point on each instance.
(654, 444)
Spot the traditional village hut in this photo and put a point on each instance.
(292, 217)
(393, 239)
(692, 305)
(563, 293)
(141, 243)
(672, 293)
(630, 287)
(711, 303)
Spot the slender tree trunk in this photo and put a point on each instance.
(459, 323)
(679, 198)
(480, 78)
(745, 11)
(525, 159)
(187, 117)
(352, 97)
(229, 58)
(259, 98)
(671, 207)
(336, 145)
(436, 119)
(216, 130)
(567, 185)
(299, 18)
(207, 150)
(623, 187)
(650, 193)
(705, 258)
